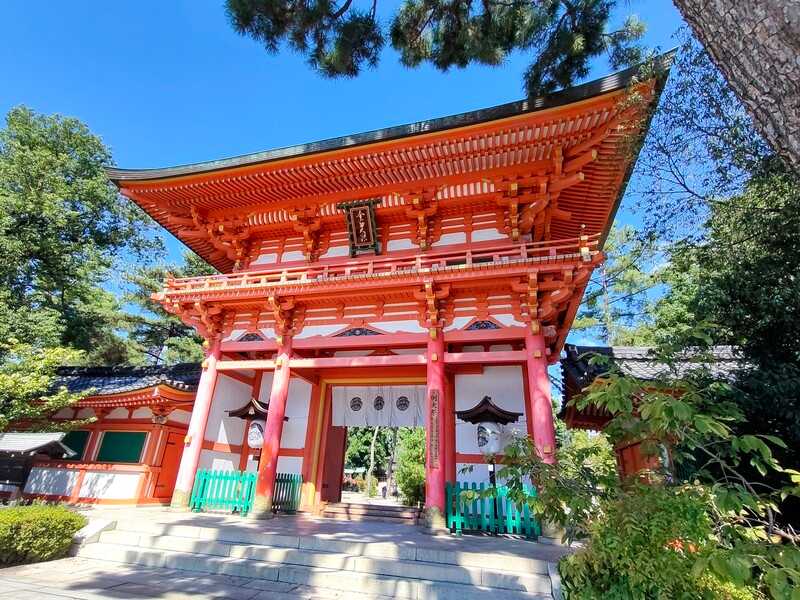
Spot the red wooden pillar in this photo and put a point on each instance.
(268, 464)
(541, 406)
(193, 442)
(434, 428)
(450, 430)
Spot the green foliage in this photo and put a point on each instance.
(159, 335)
(358, 443)
(342, 39)
(619, 295)
(749, 544)
(36, 533)
(567, 493)
(27, 394)
(411, 466)
(743, 274)
(62, 227)
(644, 547)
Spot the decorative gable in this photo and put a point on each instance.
(357, 331)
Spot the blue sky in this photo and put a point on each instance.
(167, 83)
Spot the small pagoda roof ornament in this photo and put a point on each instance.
(487, 411)
(251, 410)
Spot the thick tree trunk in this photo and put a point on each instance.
(756, 46)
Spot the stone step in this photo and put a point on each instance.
(369, 517)
(344, 511)
(335, 578)
(359, 507)
(252, 536)
(411, 569)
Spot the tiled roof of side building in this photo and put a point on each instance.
(640, 362)
(26, 443)
(578, 372)
(118, 380)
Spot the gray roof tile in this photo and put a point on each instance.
(117, 380)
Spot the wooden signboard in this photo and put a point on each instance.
(361, 226)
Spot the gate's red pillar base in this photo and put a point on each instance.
(541, 406)
(434, 428)
(193, 442)
(268, 464)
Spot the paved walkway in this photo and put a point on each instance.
(87, 579)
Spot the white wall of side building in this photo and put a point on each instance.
(109, 486)
(47, 481)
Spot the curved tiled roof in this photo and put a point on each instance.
(611, 82)
(117, 380)
(461, 159)
(637, 361)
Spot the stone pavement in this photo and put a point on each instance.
(88, 579)
(363, 532)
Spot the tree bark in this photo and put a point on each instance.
(390, 466)
(756, 46)
(371, 461)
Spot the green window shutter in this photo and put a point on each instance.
(76, 440)
(121, 446)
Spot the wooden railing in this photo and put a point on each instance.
(496, 515)
(583, 248)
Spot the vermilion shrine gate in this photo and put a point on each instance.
(447, 257)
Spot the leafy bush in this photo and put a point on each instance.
(411, 466)
(36, 533)
(646, 546)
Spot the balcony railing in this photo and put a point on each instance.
(582, 248)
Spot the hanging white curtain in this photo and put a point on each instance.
(378, 405)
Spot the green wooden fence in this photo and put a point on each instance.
(231, 491)
(234, 491)
(286, 497)
(483, 514)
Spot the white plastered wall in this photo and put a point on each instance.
(219, 461)
(505, 386)
(294, 430)
(229, 394)
(110, 486)
(45, 481)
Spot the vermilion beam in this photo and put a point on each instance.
(392, 360)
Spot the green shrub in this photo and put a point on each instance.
(360, 482)
(411, 466)
(645, 547)
(36, 533)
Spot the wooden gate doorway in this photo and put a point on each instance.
(170, 460)
(333, 448)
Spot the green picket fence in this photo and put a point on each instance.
(481, 515)
(234, 491)
(286, 497)
(231, 491)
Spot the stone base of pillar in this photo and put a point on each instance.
(552, 534)
(180, 500)
(433, 522)
(262, 509)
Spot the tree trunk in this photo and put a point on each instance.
(756, 46)
(390, 466)
(371, 461)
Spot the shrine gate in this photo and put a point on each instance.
(447, 257)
